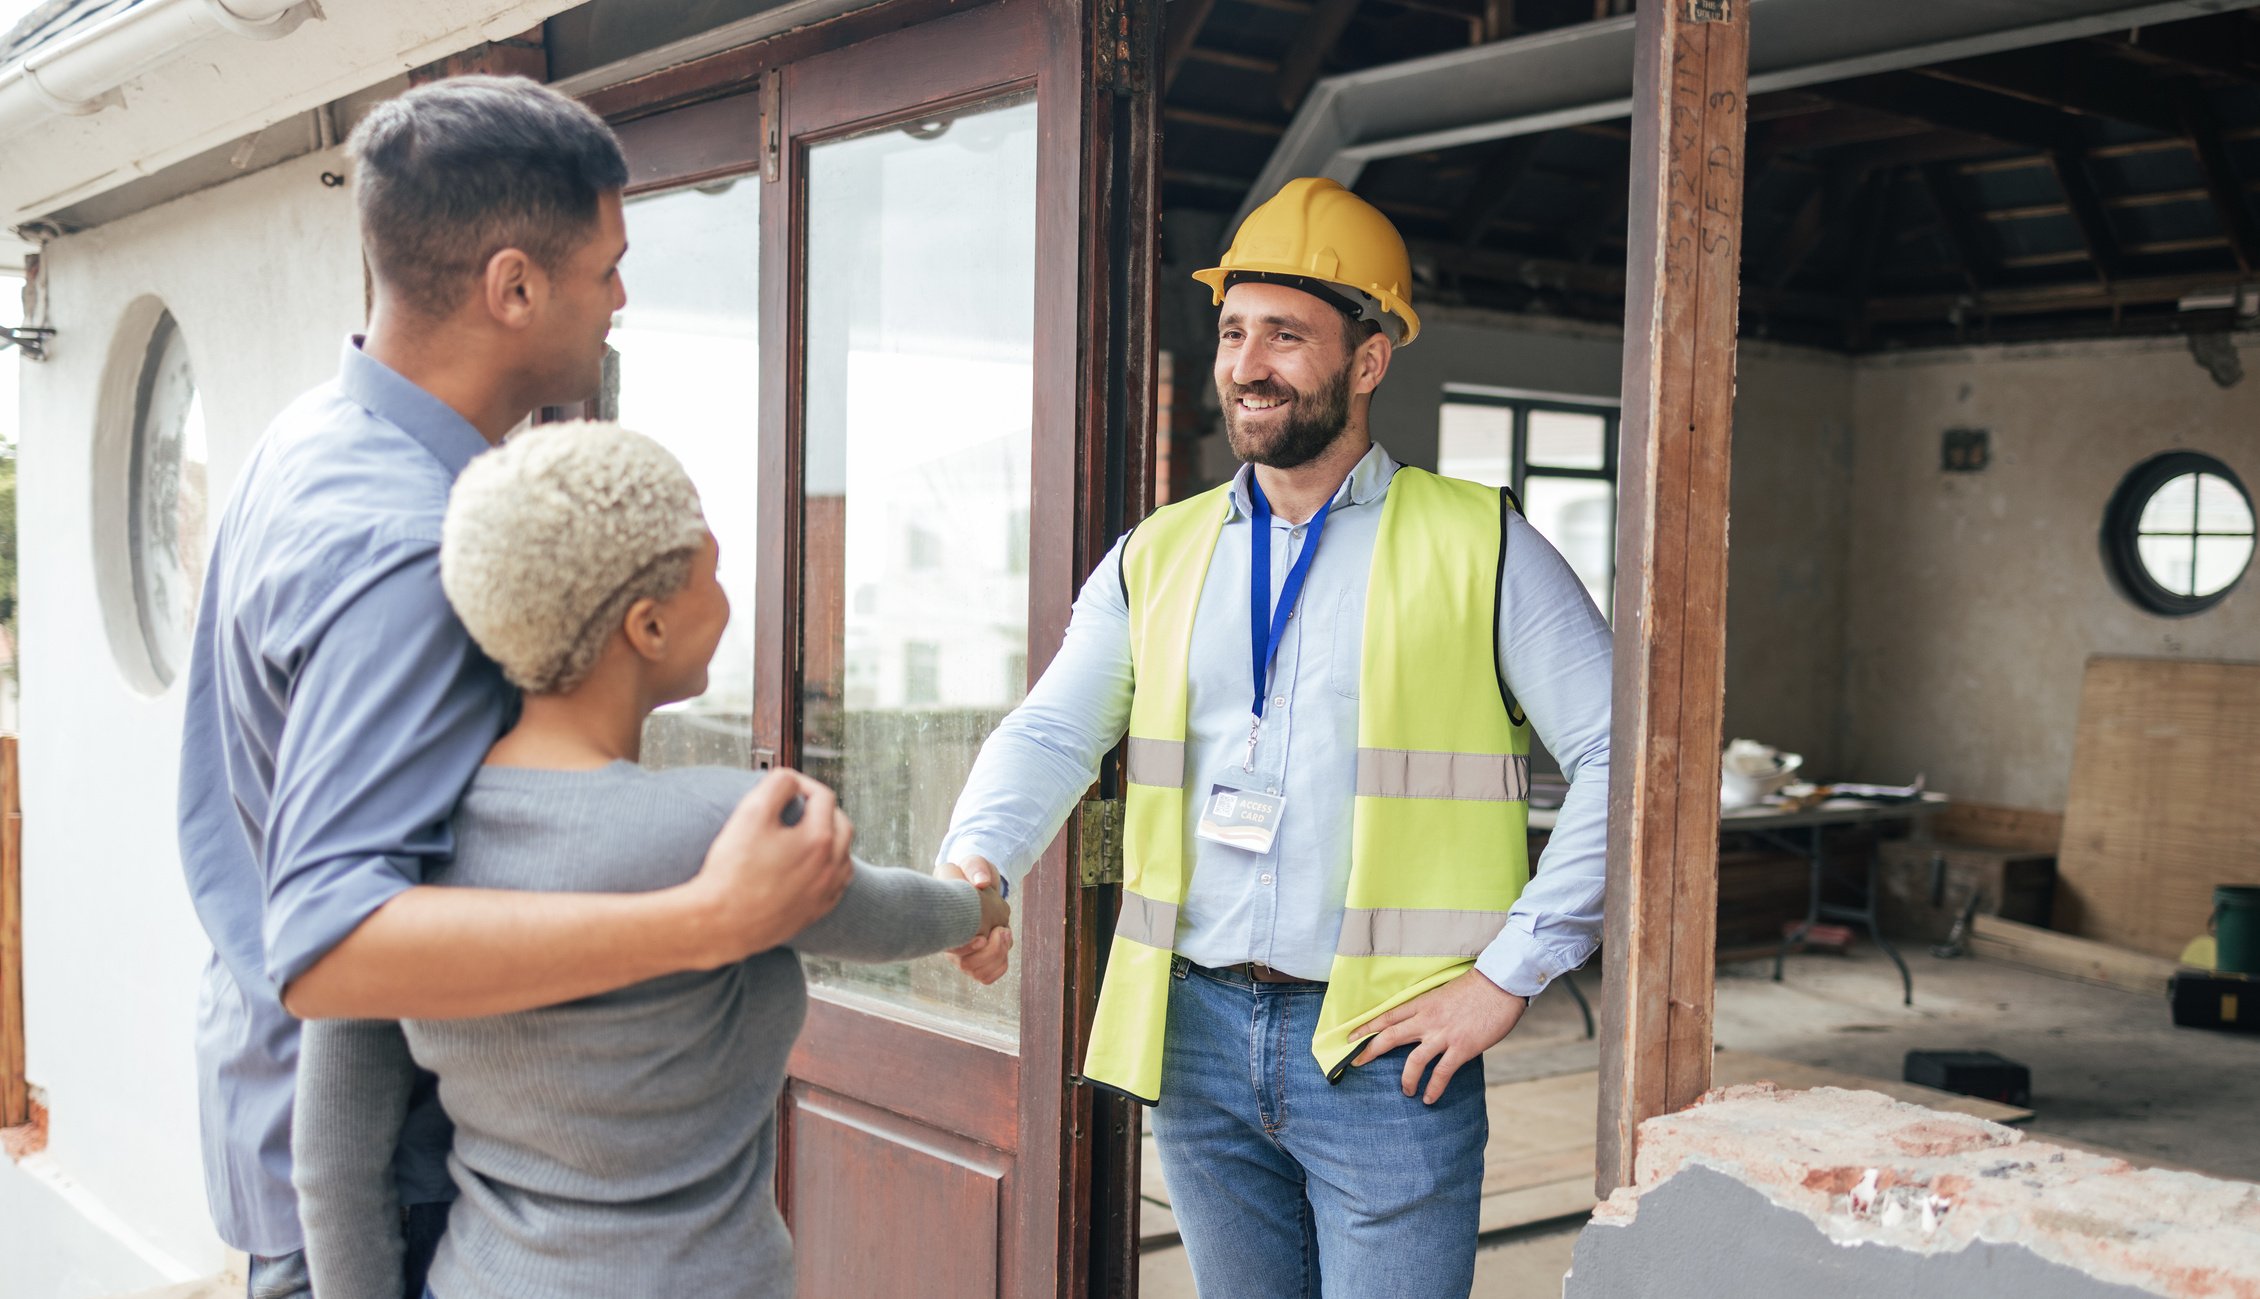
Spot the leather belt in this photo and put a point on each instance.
(1265, 974)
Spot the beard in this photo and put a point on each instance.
(1314, 420)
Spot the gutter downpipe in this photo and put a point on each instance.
(82, 72)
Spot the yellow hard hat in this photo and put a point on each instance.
(1319, 233)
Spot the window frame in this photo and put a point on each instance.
(2121, 533)
(1521, 405)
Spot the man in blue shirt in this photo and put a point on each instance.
(337, 709)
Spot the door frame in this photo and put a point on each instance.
(1069, 1222)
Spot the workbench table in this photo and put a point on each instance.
(1780, 829)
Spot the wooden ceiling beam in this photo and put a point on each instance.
(1600, 222)
(2222, 182)
(1181, 32)
(1872, 224)
(1948, 106)
(2223, 45)
(2067, 79)
(1237, 62)
(1971, 244)
(1832, 129)
(1505, 164)
(1803, 236)
(2035, 299)
(1300, 65)
(1222, 121)
(1501, 267)
(1938, 146)
(2087, 212)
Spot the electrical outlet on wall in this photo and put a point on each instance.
(1964, 450)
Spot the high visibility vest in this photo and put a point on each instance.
(1439, 845)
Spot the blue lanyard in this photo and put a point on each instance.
(1267, 626)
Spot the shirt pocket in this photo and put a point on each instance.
(1347, 653)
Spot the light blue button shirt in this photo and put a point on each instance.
(336, 711)
(1283, 908)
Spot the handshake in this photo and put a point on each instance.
(986, 957)
(782, 862)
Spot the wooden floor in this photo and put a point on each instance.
(1539, 1163)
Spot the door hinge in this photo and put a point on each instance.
(772, 125)
(1121, 68)
(1098, 827)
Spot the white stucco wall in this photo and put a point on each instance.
(264, 277)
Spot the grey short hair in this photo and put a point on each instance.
(451, 173)
(550, 537)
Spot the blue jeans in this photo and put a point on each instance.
(284, 1276)
(1286, 1185)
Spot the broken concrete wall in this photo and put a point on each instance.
(1758, 1192)
(1976, 598)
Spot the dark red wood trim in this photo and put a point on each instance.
(738, 69)
(913, 1069)
(720, 137)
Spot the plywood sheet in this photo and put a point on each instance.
(2162, 804)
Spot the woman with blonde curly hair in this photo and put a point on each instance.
(624, 1143)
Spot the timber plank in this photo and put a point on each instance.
(1683, 274)
(2069, 955)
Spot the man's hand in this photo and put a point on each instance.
(763, 881)
(990, 953)
(1453, 1024)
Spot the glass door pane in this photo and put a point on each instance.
(920, 378)
(689, 359)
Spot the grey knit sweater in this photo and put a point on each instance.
(622, 1144)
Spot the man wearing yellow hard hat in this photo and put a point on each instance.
(1327, 670)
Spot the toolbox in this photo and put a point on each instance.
(1972, 1073)
(2205, 999)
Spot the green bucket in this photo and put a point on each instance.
(2236, 928)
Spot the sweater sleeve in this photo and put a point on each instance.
(354, 1079)
(892, 914)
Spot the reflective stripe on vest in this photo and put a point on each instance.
(1398, 931)
(1439, 848)
(1143, 920)
(1405, 773)
(1154, 762)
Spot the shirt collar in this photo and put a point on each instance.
(386, 394)
(1368, 482)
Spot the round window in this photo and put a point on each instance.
(2179, 533)
(166, 511)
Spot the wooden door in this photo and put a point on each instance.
(950, 430)
(890, 299)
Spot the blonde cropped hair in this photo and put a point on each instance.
(551, 536)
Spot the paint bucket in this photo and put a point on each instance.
(2236, 929)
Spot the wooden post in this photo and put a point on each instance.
(15, 1101)
(1691, 74)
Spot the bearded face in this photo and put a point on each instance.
(1284, 362)
(1271, 423)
